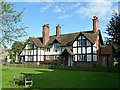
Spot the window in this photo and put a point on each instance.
(88, 43)
(48, 49)
(94, 57)
(30, 58)
(74, 50)
(47, 57)
(82, 42)
(82, 57)
(56, 57)
(29, 52)
(89, 58)
(56, 47)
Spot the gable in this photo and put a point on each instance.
(81, 41)
(35, 41)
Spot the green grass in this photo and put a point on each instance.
(50, 78)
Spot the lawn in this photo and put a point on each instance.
(54, 78)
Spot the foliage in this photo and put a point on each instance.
(12, 27)
(113, 29)
(16, 47)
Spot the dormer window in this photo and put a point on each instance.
(56, 46)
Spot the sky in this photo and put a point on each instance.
(72, 16)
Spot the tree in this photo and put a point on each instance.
(113, 29)
(16, 47)
(11, 25)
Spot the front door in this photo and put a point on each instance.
(64, 60)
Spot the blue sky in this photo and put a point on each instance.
(72, 16)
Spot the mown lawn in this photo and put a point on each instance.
(50, 78)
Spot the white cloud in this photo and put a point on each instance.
(44, 8)
(75, 5)
(100, 9)
(64, 16)
(57, 9)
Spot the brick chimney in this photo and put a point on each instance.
(46, 31)
(95, 23)
(58, 30)
(95, 29)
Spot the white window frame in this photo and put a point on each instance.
(47, 57)
(56, 57)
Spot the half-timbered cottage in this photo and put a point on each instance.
(83, 49)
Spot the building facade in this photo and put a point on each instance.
(73, 49)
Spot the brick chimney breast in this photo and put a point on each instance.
(46, 31)
(95, 24)
(58, 30)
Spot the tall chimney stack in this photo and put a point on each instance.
(46, 31)
(58, 30)
(95, 24)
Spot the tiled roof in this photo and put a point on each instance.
(37, 42)
(68, 39)
(91, 36)
(68, 51)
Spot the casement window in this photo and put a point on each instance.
(56, 57)
(29, 52)
(82, 42)
(94, 57)
(56, 46)
(47, 57)
(30, 58)
(89, 57)
(82, 58)
(48, 49)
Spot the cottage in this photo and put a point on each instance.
(83, 49)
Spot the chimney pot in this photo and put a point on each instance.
(94, 17)
(95, 23)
